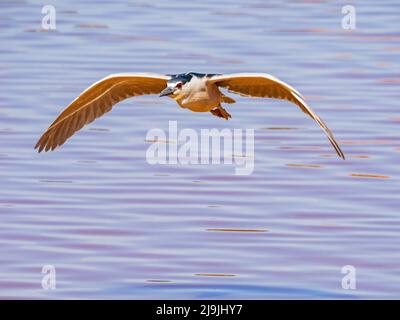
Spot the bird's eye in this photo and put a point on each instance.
(179, 85)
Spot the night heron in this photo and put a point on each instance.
(194, 91)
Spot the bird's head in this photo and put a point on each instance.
(176, 85)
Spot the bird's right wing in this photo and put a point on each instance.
(96, 101)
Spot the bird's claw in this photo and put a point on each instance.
(221, 113)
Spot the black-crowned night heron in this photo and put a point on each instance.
(194, 91)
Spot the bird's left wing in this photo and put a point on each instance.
(267, 86)
(96, 101)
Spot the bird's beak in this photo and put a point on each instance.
(167, 91)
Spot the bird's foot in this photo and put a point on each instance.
(221, 112)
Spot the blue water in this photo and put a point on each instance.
(114, 226)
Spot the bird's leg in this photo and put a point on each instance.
(221, 112)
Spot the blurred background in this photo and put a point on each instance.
(114, 226)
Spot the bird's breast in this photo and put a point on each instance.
(201, 100)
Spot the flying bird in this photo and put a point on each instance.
(197, 92)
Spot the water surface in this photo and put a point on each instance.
(115, 226)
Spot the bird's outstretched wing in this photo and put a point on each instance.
(96, 101)
(267, 86)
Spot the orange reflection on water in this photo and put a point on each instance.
(214, 275)
(328, 225)
(373, 176)
(327, 156)
(99, 129)
(389, 81)
(374, 37)
(159, 141)
(304, 165)
(367, 142)
(236, 230)
(92, 26)
(280, 128)
(360, 156)
(300, 148)
(311, 30)
(392, 49)
(357, 156)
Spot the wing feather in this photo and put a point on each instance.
(266, 86)
(97, 100)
